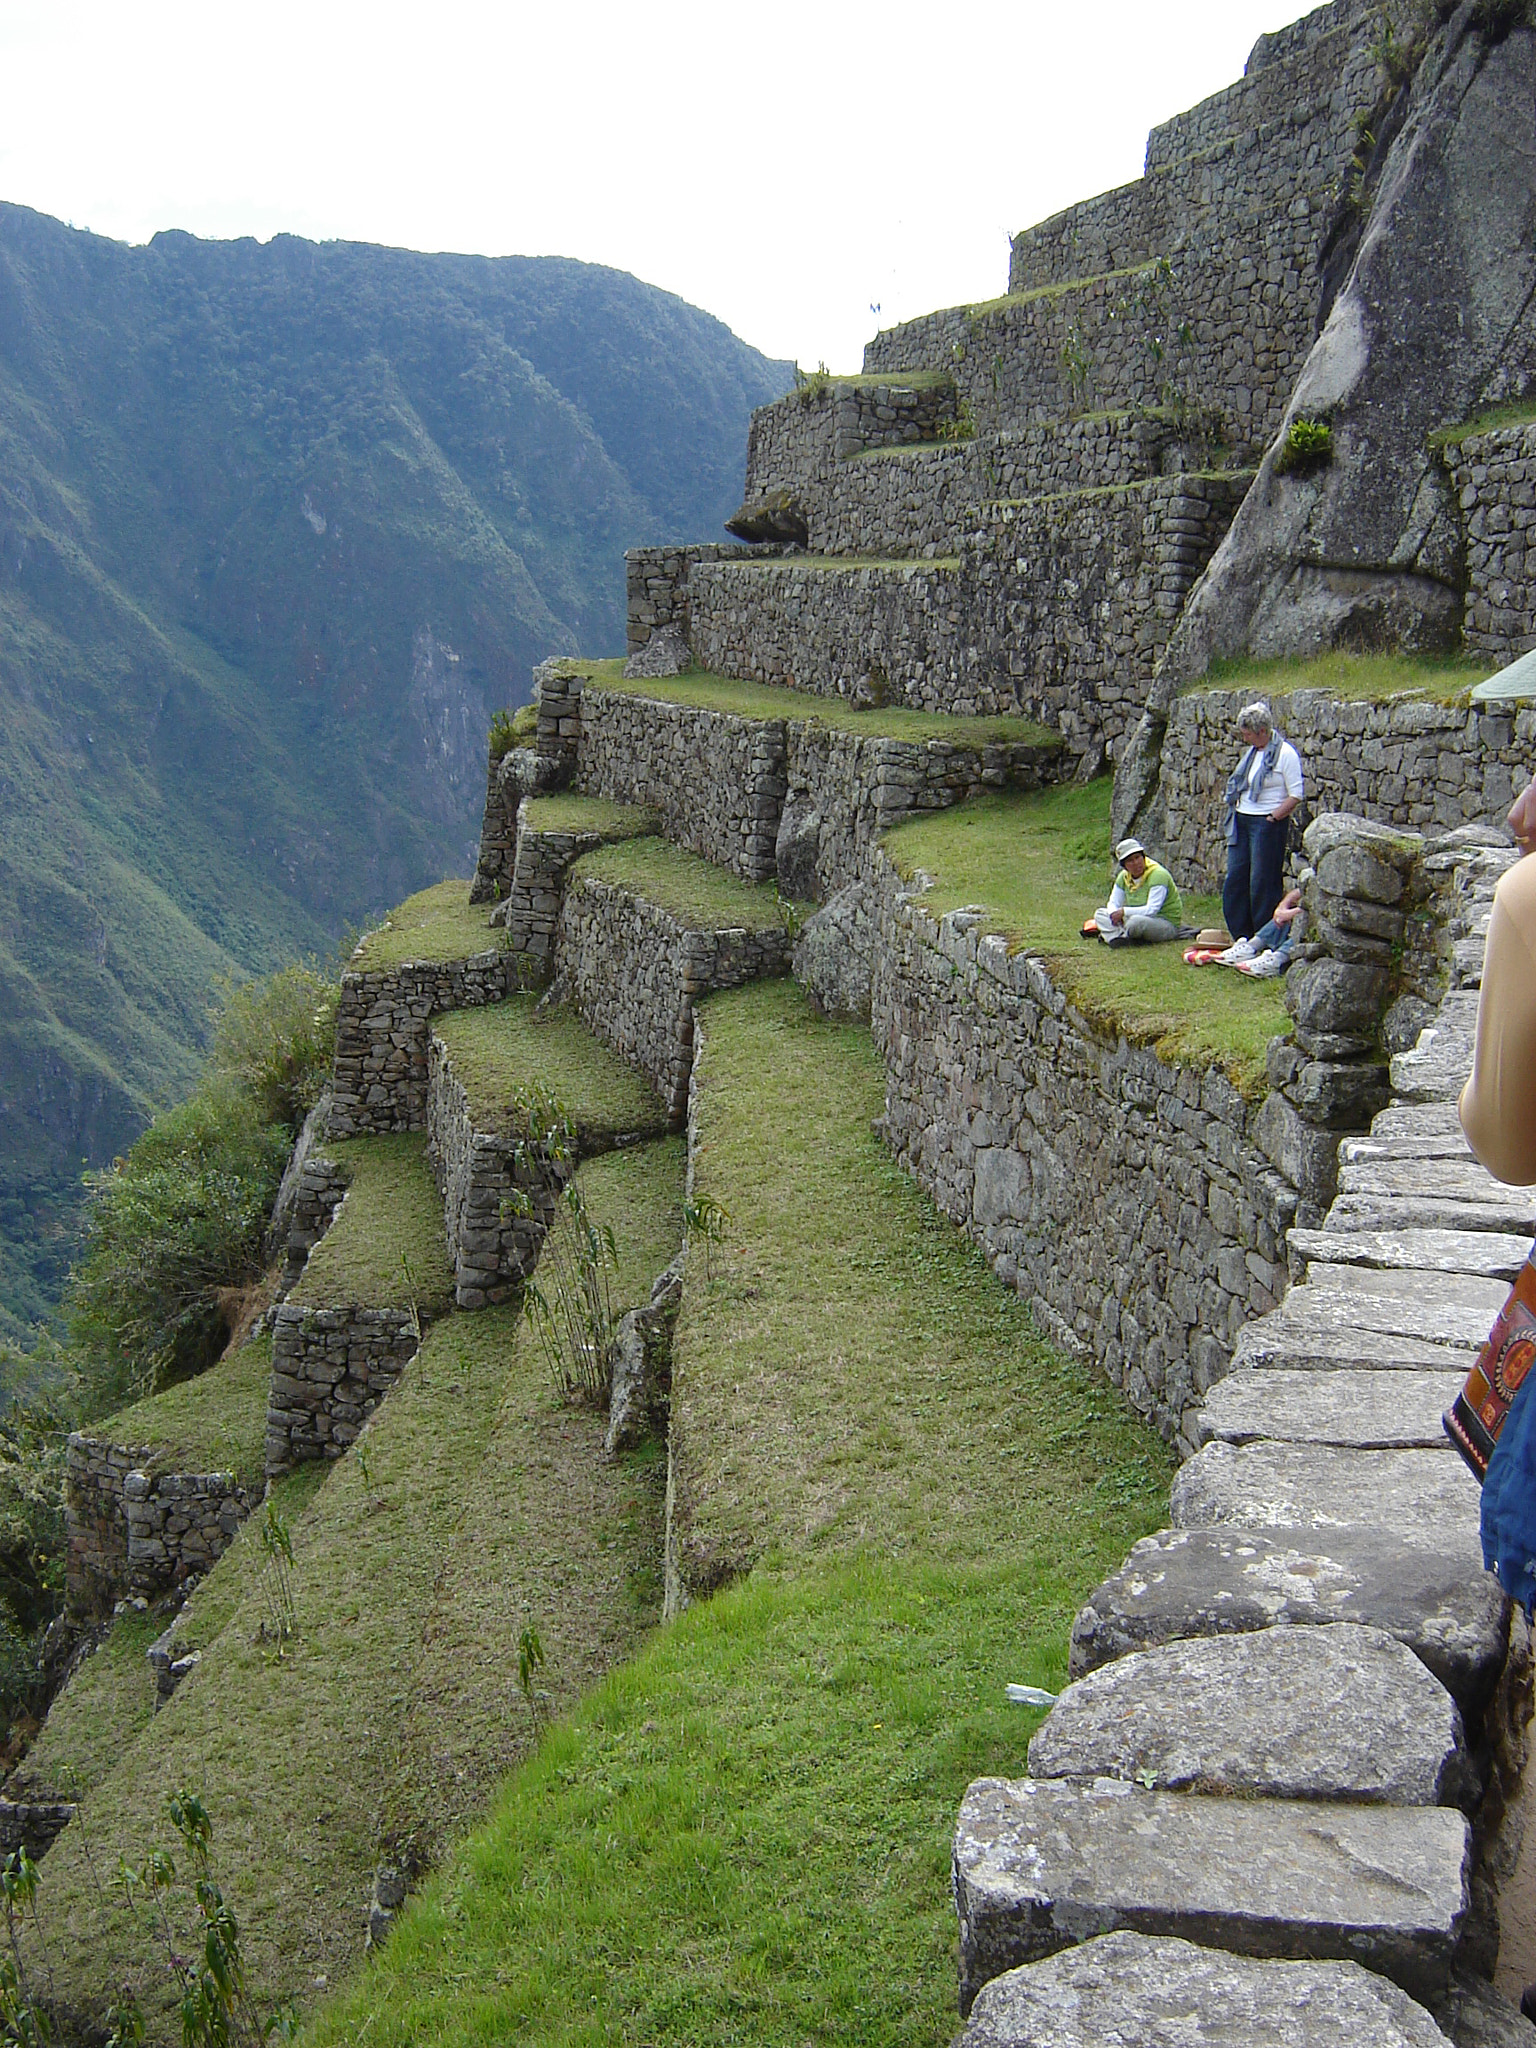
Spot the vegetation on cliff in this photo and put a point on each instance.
(280, 527)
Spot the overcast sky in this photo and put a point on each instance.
(787, 168)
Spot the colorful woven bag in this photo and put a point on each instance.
(1475, 1417)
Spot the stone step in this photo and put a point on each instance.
(1288, 1713)
(1455, 1292)
(1138, 1991)
(1317, 1310)
(1287, 1349)
(1467, 960)
(1422, 1497)
(1039, 1864)
(1448, 1179)
(1225, 1581)
(1426, 1145)
(1494, 1255)
(1437, 1068)
(1415, 1119)
(1354, 1410)
(1503, 1209)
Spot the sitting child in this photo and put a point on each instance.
(1144, 906)
(1268, 952)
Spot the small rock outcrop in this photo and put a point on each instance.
(664, 654)
(775, 517)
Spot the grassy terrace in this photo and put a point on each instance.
(1038, 864)
(702, 691)
(386, 1247)
(214, 1423)
(588, 814)
(486, 1505)
(501, 1048)
(743, 1834)
(700, 895)
(1357, 678)
(437, 924)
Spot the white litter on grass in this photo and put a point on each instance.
(1031, 1696)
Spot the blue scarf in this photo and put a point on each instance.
(1238, 779)
(1509, 1500)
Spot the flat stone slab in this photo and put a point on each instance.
(1210, 1582)
(1463, 1179)
(1041, 1863)
(1421, 1496)
(1494, 1255)
(1138, 1991)
(1421, 1145)
(1422, 1312)
(1501, 1209)
(1468, 1292)
(1437, 1068)
(1289, 1713)
(1415, 1119)
(1273, 1341)
(1357, 1410)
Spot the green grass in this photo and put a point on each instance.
(1520, 414)
(214, 1423)
(486, 1505)
(568, 813)
(705, 692)
(392, 1219)
(743, 1835)
(1039, 864)
(504, 1047)
(702, 896)
(1354, 678)
(438, 924)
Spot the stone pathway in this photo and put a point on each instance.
(1220, 1778)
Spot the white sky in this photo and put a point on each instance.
(787, 168)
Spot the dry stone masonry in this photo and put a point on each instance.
(530, 915)
(331, 1367)
(380, 1079)
(133, 1531)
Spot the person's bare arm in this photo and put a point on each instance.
(1498, 1104)
(1522, 818)
(1284, 810)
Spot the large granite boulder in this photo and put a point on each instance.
(1433, 322)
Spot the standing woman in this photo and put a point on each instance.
(1261, 793)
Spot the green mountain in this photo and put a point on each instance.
(280, 526)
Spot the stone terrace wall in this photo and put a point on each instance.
(530, 915)
(1495, 479)
(1079, 595)
(1126, 1199)
(130, 1531)
(716, 782)
(845, 790)
(656, 589)
(331, 1367)
(635, 972)
(322, 1186)
(1422, 766)
(824, 628)
(179, 1525)
(381, 1036)
(96, 1569)
(496, 1207)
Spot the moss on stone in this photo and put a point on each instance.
(701, 691)
(702, 896)
(386, 1248)
(567, 813)
(505, 1047)
(436, 924)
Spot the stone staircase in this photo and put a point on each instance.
(1295, 1715)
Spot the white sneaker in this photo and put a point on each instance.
(1236, 954)
(1266, 965)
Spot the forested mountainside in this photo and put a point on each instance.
(280, 526)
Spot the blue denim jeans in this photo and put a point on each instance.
(1255, 874)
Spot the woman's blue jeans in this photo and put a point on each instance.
(1255, 874)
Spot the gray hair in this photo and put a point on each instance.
(1255, 717)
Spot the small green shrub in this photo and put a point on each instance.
(511, 729)
(275, 1040)
(167, 1228)
(1307, 448)
(570, 1306)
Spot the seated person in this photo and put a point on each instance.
(1268, 952)
(1144, 906)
